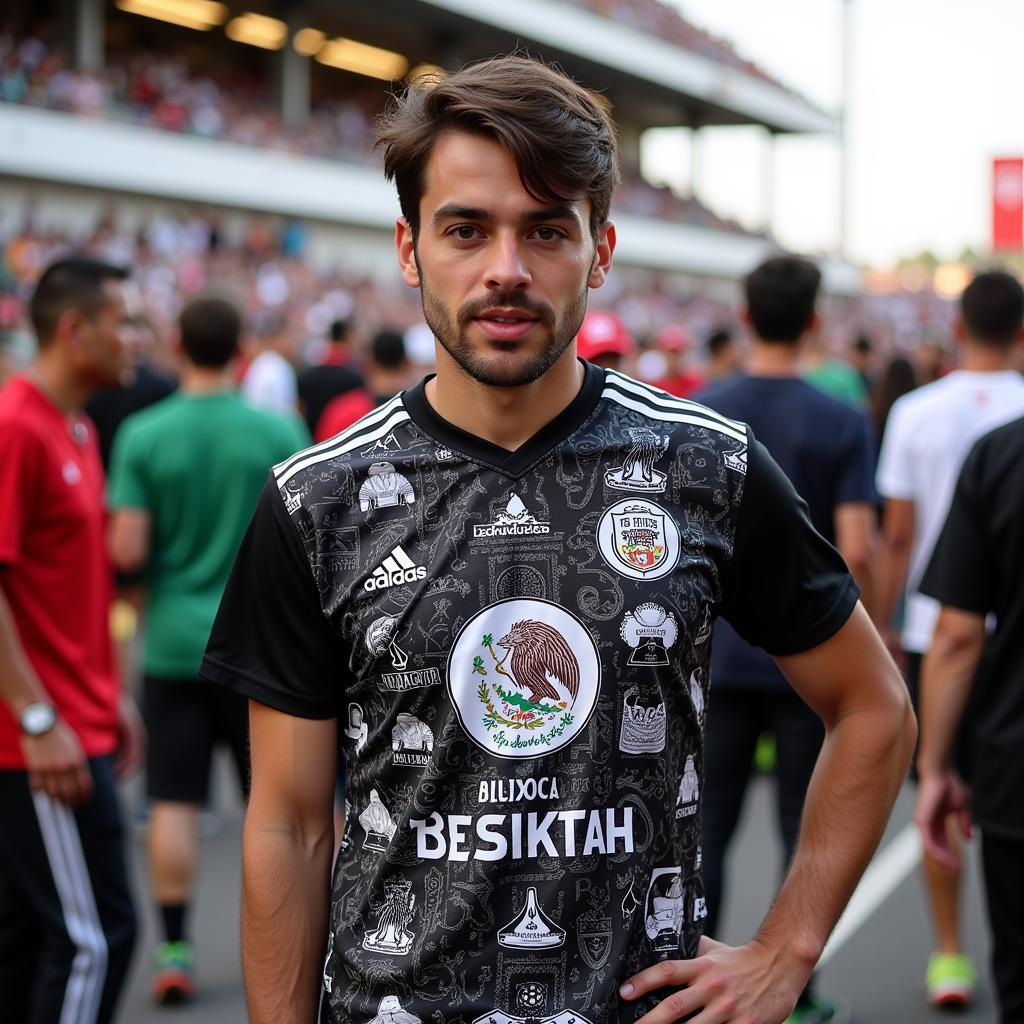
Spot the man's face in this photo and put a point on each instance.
(102, 340)
(503, 277)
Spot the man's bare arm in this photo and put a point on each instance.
(853, 685)
(947, 676)
(287, 845)
(56, 762)
(128, 538)
(897, 541)
(857, 540)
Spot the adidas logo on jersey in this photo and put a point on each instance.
(397, 568)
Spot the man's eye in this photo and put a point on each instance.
(546, 234)
(464, 232)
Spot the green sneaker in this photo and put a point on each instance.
(765, 754)
(950, 980)
(819, 1011)
(172, 981)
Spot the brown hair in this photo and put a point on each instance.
(560, 136)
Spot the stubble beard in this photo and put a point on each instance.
(529, 368)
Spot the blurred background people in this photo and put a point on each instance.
(185, 477)
(269, 381)
(332, 376)
(975, 572)
(387, 370)
(724, 355)
(825, 448)
(678, 378)
(67, 924)
(928, 433)
(604, 340)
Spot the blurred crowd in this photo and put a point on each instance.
(230, 101)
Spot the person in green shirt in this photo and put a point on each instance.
(833, 376)
(185, 477)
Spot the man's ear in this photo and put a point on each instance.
(602, 256)
(406, 247)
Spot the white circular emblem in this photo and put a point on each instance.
(638, 539)
(523, 677)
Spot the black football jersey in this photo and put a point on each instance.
(516, 648)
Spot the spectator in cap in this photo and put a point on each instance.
(674, 343)
(604, 340)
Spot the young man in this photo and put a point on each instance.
(502, 583)
(928, 433)
(824, 447)
(335, 376)
(976, 570)
(185, 478)
(66, 919)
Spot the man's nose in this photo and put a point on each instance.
(506, 266)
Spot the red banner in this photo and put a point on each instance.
(1008, 204)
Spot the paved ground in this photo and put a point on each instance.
(878, 969)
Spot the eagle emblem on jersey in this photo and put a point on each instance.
(523, 677)
(638, 539)
(637, 472)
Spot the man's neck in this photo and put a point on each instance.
(58, 384)
(507, 417)
(986, 359)
(203, 380)
(773, 359)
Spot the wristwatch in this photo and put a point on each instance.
(38, 719)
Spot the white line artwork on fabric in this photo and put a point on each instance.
(391, 1011)
(643, 726)
(637, 472)
(689, 790)
(411, 741)
(357, 728)
(392, 934)
(531, 928)
(664, 910)
(377, 824)
(384, 487)
(380, 637)
(650, 631)
(697, 696)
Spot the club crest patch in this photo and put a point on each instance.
(638, 539)
(523, 678)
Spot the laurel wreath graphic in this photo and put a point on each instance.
(519, 712)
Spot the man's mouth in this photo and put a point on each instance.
(505, 324)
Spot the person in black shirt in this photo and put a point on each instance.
(335, 376)
(824, 447)
(497, 591)
(975, 679)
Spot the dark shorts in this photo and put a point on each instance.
(186, 718)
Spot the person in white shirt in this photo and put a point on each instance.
(927, 438)
(270, 381)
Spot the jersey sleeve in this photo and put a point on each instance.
(855, 483)
(21, 466)
(894, 477)
(961, 572)
(271, 641)
(787, 589)
(128, 486)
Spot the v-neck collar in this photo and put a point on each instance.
(511, 464)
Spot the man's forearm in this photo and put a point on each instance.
(862, 765)
(892, 577)
(947, 677)
(19, 684)
(285, 899)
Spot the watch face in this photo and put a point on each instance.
(37, 719)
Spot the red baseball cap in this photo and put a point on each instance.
(672, 338)
(603, 333)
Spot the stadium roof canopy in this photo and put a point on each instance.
(650, 81)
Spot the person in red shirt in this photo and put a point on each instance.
(604, 340)
(67, 923)
(679, 380)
